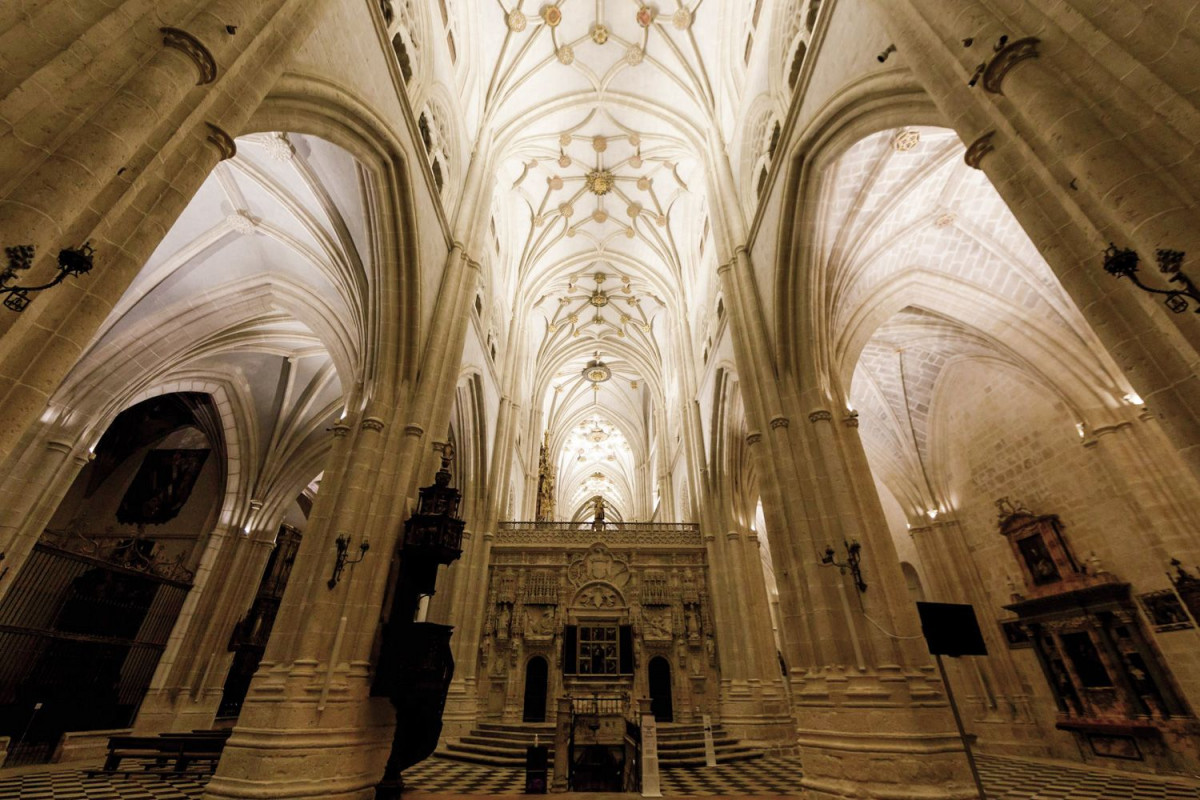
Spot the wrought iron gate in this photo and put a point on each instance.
(80, 637)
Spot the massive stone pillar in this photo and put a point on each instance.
(996, 705)
(872, 713)
(188, 684)
(1082, 159)
(116, 155)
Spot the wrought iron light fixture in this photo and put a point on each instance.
(1123, 263)
(853, 559)
(343, 546)
(71, 261)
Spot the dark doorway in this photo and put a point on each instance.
(660, 689)
(535, 690)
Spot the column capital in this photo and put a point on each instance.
(1005, 59)
(372, 424)
(779, 422)
(194, 49)
(222, 141)
(978, 149)
(820, 415)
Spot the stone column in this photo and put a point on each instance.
(308, 726)
(872, 715)
(187, 686)
(122, 174)
(31, 493)
(994, 701)
(1074, 177)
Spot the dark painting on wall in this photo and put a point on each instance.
(1037, 557)
(161, 487)
(1165, 610)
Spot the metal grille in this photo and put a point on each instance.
(81, 639)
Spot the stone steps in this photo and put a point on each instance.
(501, 744)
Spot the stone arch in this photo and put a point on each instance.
(312, 106)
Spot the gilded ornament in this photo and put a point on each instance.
(516, 20)
(645, 16)
(599, 181)
(599, 34)
(565, 54)
(906, 140)
(551, 15)
(682, 19)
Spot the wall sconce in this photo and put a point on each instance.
(853, 557)
(71, 261)
(342, 560)
(1123, 263)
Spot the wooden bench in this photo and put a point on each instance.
(171, 753)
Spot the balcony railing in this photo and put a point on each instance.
(674, 534)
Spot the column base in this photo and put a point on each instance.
(886, 734)
(758, 713)
(462, 708)
(298, 737)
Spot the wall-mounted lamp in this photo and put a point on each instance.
(853, 557)
(1123, 263)
(71, 261)
(343, 546)
(882, 57)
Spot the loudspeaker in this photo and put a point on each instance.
(951, 629)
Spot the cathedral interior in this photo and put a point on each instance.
(679, 397)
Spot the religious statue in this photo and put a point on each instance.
(598, 506)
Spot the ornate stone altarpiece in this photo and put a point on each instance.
(1111, 684)
(651, 580)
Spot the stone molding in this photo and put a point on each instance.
(1008, 57)
(340, 429)
(222, 141)
(978, 149)
(779, 422)
(59, 446)
(850, 420)
(820, 415)
(194, 49)
(372, 424)
(525, 534)
(753, 438)
(413, 429)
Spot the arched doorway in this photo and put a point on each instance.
(535, 690)
(659, 675)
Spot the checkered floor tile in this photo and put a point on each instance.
(77, 786)
(1019, 779)
(762, 776)
(1003, 778)
(438, 776)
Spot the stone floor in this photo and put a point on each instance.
(1004, 779)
